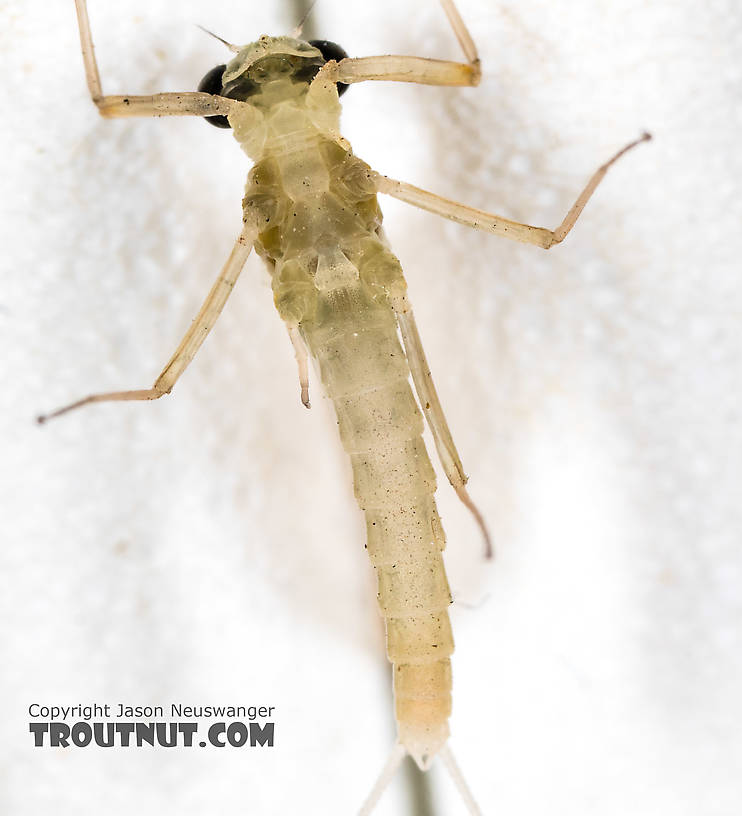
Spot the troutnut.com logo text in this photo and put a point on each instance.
(176, 725)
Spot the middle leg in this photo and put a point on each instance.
(191, 342)
(482, 220)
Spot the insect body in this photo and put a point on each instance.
(334, 279)
(311, 211)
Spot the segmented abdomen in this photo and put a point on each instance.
(365, 373)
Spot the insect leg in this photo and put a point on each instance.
(423, 380)
(461, 31)
(163, 104)
(300, 351)
(395, 68)
(191, 342)
(479, 219)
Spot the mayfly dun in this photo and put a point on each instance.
(311, 212)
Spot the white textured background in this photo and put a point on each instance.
(206, 548)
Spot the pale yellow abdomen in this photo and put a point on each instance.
(365, 373)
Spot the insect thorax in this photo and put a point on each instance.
(313, 202)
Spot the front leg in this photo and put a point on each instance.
(162, 104)
(395, 68)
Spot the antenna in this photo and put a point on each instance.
(296, 33)
(234, 48)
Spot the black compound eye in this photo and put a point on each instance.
(212, 84)
(331, 51)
